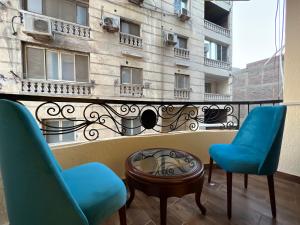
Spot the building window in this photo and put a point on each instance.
(184, 4)
(130, 75)
(50, 64)
(207, 87)
(181, 4)
(73, 11)
(58, 124)
(181, 42)
(130, 28)
(131, 126)
(215, 51)
(182, 81)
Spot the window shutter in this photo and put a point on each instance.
(50, 8)
(67, 11)
(82, 68)
(35, 63)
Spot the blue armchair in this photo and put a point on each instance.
(254, 150)
(38, 191)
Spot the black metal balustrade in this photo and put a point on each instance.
(156, 116)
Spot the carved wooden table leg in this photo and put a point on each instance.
(198, 201)
(163, 210)
(132, 194)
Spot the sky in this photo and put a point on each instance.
(253, 31)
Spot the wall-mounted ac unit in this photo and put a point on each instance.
(170, 38)
(111, 24)
(184, 14)
(137, 2)
(37, 27)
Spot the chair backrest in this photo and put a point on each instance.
(34, 189)
(262, 132)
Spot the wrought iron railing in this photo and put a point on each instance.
(216, 28)
(216, 97)
(56, 87)
(155, 116)
(182, 53)
(63, 27)
(131, 40)
(217, 64)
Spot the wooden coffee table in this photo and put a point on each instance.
(165, 173)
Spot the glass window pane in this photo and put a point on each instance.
(134, 29)
(180, 81)
(67, 11)
(213, 51)
(219, 54)
(136, 76)
(82, 15)
(182, 42)
(125, 75)
(35, 63)
(67, 65)
(207, 87)
(51, 8)
(70, 136)
(187, 82)
(52, 65)
(82, 68)
(184, 4)
(35, 6)
(224, 54)
(124, 27)
(52, 138)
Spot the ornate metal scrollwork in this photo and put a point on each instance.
(91, 118)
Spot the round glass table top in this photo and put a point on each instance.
(164, 162)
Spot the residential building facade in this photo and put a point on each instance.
(132, 50)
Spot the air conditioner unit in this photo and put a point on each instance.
(111, 24)
(37, 27)
(184, 14)
(170, 38)
(137, 2)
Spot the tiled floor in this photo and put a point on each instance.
(250, 207)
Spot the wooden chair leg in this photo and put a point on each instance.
(246, 181)
(272, 194)
(122, 215)
(229, 193)
(211, 161)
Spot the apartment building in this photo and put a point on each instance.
(167, 50)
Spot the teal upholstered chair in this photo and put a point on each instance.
(38, 191)
(254, 150)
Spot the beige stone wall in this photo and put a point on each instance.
(290, 157)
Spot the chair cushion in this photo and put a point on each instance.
(97, 189)
(236, 158)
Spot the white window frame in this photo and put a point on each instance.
(60, 136)
(131, 22)
(131, 74)
(76, 3)
(209, 42)
(186, 81)
(60, 52)
(182, 37)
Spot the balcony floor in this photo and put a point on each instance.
(250, 207)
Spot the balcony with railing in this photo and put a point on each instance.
(182, 53)
(182, 93)
(216, 97)
(216, 28)
(132, 90)
(51, 87)
(217, 64)
(61, 26)
(131, 40)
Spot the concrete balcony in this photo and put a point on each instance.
(182, 93)
(131, 90)
(182, 53)
(51, 87)
(61, 26)
(217, 64)
(131, 40)
(216, 97)
(216, 28)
